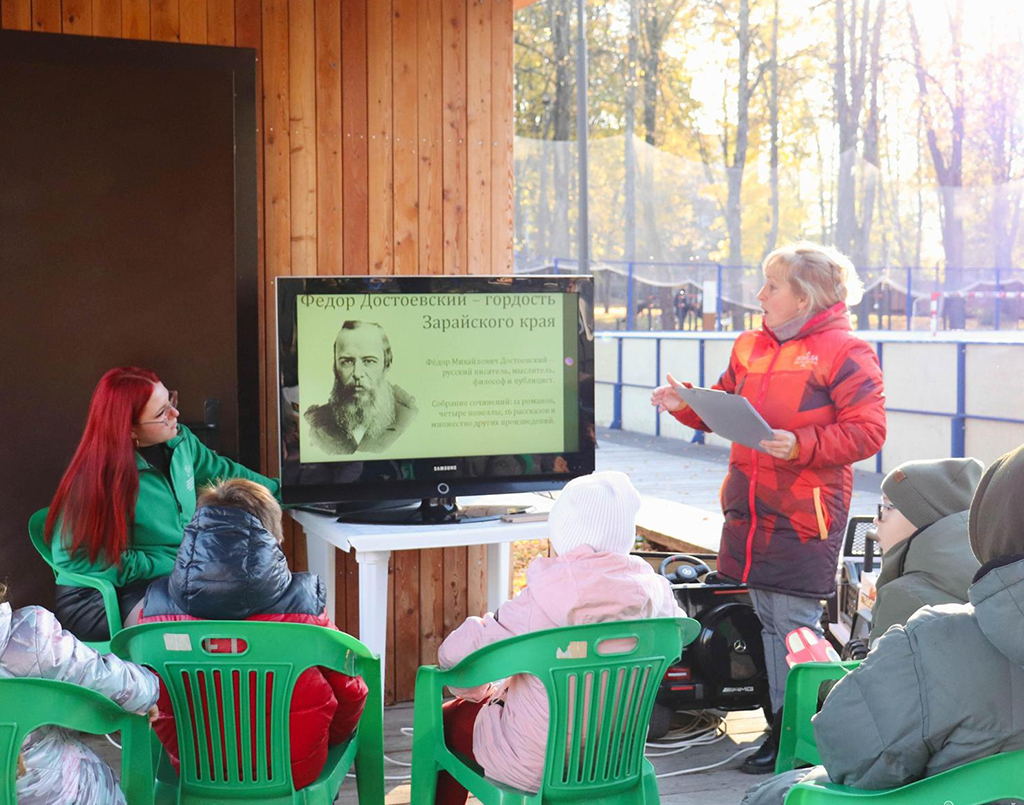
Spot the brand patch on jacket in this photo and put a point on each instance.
(807, 359)
(190, 484)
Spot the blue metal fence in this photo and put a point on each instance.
(958, 418)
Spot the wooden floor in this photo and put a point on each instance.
(673, 470)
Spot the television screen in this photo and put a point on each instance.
(413, 387)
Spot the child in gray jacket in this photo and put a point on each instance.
(55, 767)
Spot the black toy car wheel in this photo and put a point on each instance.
(661, 721)
(855, 650)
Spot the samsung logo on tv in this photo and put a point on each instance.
(444, 467)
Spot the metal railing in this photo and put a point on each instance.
(958, 418)
(896, 298)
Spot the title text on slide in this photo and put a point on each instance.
(466, 322)
(373, 301)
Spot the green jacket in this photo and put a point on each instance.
(163, 509)
(934, 566)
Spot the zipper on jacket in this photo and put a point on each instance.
(751, 496)
(167, 480)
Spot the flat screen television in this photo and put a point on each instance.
(409, 390)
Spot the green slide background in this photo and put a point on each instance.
(486, 405)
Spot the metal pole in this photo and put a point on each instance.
(998, 290)
(630, 300)
(718, 300)
(581, 134)
(910, 299)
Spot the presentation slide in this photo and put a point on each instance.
(403, 376)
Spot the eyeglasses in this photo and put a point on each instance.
(172, 402)
(882, 509)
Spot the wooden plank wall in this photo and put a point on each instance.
(386, 148)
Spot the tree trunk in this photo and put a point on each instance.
(735, 166)
(561, 118)
(773, 230)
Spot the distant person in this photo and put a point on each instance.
(945, 689)
(786, 504)
(55, 767)
(922, 530)
(592, 578)
(231, 567)
(125, 499)
(365, 412)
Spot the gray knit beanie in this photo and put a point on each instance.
(598, 510)
(928, 490)
(996, 522)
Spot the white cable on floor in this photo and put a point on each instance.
(709, 766)
(397, 762)
(112, 741)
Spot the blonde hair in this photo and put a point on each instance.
(823, 275)
(238, 493)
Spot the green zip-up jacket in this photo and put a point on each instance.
(163, 509)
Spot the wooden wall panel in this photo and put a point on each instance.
(193, 22)
(328, 138)
(77, 17)
(16, 15)
(46, 16)
(106, 18)
(456, 147)
(380, 121)
(478, 133)
(385, 131)
(135, 19)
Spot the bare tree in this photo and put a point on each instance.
(855, 89)
(949, 167)
(773, 106)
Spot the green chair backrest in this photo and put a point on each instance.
(27, 704)
(36, 524)
(796, 740)
(600, 703)
(216, 671)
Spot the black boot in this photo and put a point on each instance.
(763, 760)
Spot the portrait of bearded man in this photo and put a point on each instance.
(365, 412)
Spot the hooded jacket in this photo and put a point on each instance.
(943, 690)
(163, 508)
(784, 519)
(230, 567)
(61, 768)
(582, 586)
(933, 566)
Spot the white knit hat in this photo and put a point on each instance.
(598, 510)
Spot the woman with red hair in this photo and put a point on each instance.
(124, 501)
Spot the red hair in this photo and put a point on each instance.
(96, 497)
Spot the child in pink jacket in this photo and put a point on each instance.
(503, 726)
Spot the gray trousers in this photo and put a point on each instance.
(780, 614)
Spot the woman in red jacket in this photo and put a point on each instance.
(820, 389)
(230, 567)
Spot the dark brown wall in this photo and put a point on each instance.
(117, 246)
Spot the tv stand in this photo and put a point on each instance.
(373, 545)
(427, 511)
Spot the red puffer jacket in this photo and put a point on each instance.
(230, 568)
(784, 520)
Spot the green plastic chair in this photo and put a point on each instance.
(251, 760)
(982, 781)
(107, 590)
(607, 769)
(27, 704)
(999, 777)
(796, 743)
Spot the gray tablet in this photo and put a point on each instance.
(728, 415)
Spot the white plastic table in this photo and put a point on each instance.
(373, 545)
